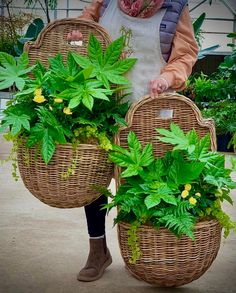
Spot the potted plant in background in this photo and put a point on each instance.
(215, 97)
(169, 208)
(63, 119)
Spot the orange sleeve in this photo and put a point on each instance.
(92, 11)
(183, 55)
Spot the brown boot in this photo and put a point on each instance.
(98, 260)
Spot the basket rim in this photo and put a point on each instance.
(198, 225)
(169, 96)
(38, 42)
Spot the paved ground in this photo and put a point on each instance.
(42, 249)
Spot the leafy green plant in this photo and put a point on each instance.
(31, 34)
(186, 185)
(197, 24)
(70, 102)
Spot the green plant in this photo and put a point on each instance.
(186, 185)
(73, 102)
(197, 24)
(31, 34)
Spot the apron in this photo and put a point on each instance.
(142, 40)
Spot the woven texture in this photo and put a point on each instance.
(46, 181)
(168, 261)
(149, 113)
(53, 39)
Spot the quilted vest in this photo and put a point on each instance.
(168, 24)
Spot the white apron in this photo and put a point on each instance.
(143, 43)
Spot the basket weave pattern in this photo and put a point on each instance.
(46, 183)
(168, 261)
(53, 39)
(92, 168)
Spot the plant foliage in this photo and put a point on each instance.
(75, 101)
(186, 185)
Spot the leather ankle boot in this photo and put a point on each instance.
(98, 260)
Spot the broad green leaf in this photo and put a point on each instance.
(120, 159)
(116, 79)
(133, 142)
(84, 62)
(17, 122)
(48, 147)
(122, 66)
(23, 61)
(88, 101)
(152, 200)
(94, 50)
(147, 155)
(175, 136)
(99, 94)
(113, 51)
(132, 170)
(74, 102)
(12, 72)
(6, 60)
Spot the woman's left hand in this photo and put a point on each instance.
(158, 86)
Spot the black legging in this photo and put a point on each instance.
(96, 217)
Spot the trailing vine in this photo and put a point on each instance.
(133, 242)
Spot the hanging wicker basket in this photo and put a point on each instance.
(90, 164)
(90, 168)
(167, 261)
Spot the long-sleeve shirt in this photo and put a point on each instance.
(184, 47)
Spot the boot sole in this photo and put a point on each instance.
(87, 279)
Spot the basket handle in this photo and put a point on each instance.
(75, 38)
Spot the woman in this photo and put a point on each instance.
(159, 34)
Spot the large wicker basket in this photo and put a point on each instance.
(167, 261)
(47, 183)
(92, 166)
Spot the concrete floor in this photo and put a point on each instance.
(42, 249)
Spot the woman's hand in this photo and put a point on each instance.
(158, 86)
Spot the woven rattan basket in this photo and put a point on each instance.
(92, 166)
(46, 181)
(167, 261)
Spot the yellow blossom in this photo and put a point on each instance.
(39, 99)
(67, 111)
(192, 200)
(198, 194)
(38, 92)
(184, 193)
(57, 100)
(187, 187)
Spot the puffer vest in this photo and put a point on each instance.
(168, 24)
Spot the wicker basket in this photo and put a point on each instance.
(92, 167)
(46, 181)
(167, 261)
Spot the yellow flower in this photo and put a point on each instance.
(219, 192)
(198, 194)
(187, 187)
(67, 111)
(39, 99)
(192, 200)
(184, 193)
(38, 92)
(57, 100)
